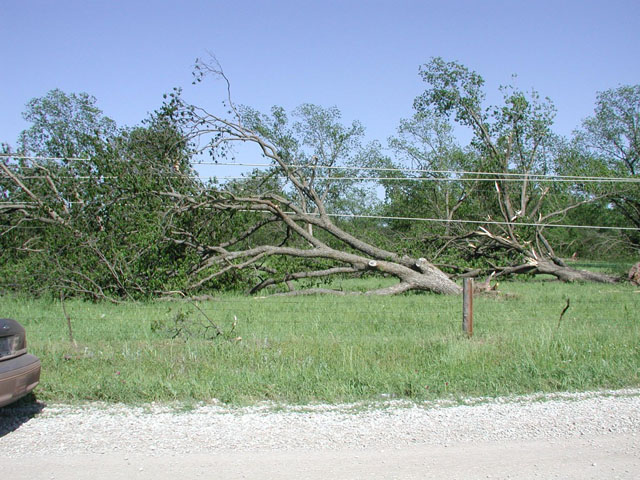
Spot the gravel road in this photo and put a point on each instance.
(586, 435)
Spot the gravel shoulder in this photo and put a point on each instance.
(585, 435)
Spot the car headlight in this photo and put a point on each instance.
(10, 346)
(12, 339)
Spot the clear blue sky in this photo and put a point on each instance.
(361, 56)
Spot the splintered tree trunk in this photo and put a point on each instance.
(537, 263)
(428, 278)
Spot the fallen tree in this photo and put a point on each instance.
(355, 256)
(519, 196)
(296, 211)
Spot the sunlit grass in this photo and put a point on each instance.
(339, 349)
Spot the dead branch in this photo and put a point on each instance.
(564, 310)
(66, 315)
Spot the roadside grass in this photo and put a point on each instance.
(338, 349)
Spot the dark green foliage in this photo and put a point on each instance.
(94, 224)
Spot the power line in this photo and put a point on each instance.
(528, 176)
(441, 179)
(367, 179)
(75, 177)
(482, 222)
(499, 175)
(435, 220)
(26, 157)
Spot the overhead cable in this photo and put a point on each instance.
(436, 220)
(522, 176)
(529, 176)
(541, 179)
(27, 157)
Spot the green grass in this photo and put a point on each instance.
(340, 349)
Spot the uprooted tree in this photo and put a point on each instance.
(291, 207)
(518, 151)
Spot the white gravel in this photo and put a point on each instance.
(156, 429)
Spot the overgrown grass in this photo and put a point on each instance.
(339, 349)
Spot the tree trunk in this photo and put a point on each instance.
(568, 274)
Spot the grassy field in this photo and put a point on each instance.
(338, 349)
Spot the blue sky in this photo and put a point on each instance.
(361, 56)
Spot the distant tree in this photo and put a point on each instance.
(613, 132)
(608, 144)
(64, 125)
(427, 183)
(328, 152)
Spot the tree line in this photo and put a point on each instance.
(106, 212)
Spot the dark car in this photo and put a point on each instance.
(19, 371)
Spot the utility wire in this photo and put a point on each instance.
(480, 222)
(432, 220)
(541, 179)
(528, 176)
(521, 177)
(25, 157)
(441, 179)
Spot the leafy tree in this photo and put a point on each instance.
(431, 187)
(608, 145)
(65, 125)
(613, 132)
(328, 153)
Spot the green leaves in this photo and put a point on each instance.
(613, 133)
(64, 125)
(454, 89)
